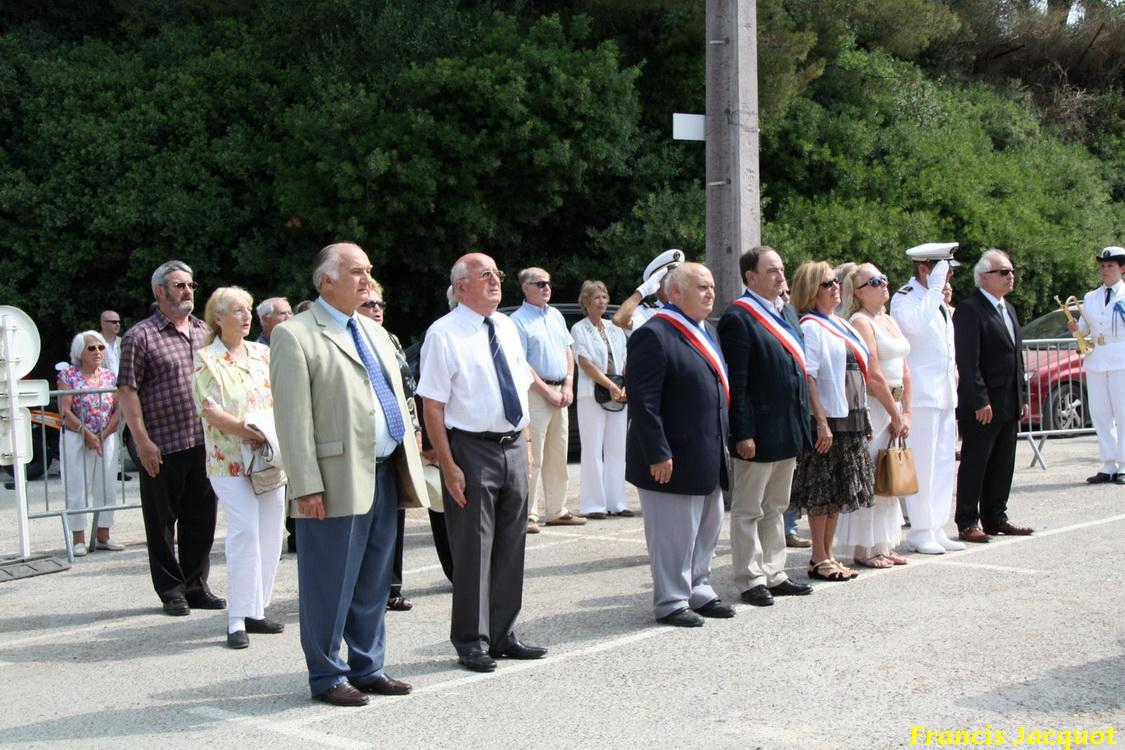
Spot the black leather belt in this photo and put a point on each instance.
(554, 382)
(502, 438)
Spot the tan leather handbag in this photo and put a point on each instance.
(894, 470)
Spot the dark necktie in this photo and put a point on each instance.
(379, 383)
(1006, 321)
(1108, 292)
(513, 412)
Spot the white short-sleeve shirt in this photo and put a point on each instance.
(457, 370)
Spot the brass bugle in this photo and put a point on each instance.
(1085, 346)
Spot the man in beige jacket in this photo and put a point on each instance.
(342, 426)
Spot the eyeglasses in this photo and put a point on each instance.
(488, 273)
(1003, 271)
(874, 281)
(95, 348)
(541, 284)
(112, 322)
(374, 305)
(829, 284)
(181, 285)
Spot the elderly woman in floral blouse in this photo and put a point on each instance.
(231, 381)
(89, 436)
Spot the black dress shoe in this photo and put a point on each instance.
(384, 685)
(715, 608)
(518, 650)
(177, 606)
(238, 639)
(265, 626)
(1101, 478)
(478, 661)
(682, 618)
(790, 588)
(759, 596)
(207, 600)
(342, 694)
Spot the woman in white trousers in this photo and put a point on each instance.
(230, 383)
(599, 347)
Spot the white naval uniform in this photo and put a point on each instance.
(927, 323)
(1105, 374)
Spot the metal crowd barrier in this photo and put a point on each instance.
(1055, 390)
(47, 427)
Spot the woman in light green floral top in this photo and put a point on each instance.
(232, 382)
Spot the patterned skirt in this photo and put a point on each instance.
(838, 481)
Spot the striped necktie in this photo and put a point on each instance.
(379, 383)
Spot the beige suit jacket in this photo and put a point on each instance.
(323, 407)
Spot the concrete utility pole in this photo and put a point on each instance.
(734, 214)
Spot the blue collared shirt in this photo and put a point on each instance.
(545, 339)
(384, 443)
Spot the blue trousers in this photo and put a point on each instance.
(344, 577)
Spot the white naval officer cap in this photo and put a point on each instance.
(666, 258)
(1112, 253)
(933, 251)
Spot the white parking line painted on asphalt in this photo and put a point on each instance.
(288, 729)
(601, 537)
(986, 566)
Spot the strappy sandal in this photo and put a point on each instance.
(879, 562)
(831, 572)
(849, 572)
(399, 604)
(896, 558)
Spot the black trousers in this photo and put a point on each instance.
(441, 543)
(396, 562)
(984, 480)
(179, 505)
(488, 537)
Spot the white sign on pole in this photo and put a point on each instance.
(28, 393)
(15, 443)
(688, 127)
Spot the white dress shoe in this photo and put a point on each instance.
(109, 545)
(950, 545)
(79, 549)
(926, 548)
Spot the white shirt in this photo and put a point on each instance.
(933, 369)
(588, 343)
(384, 444)
(113, 354)
(457, 370)
(826, 359)
(1001, 310)
(1097, 320)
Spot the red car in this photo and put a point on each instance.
(1054, 376)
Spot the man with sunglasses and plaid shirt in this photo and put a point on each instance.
(154, 387)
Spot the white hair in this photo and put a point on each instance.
(267, 306)
(459, 271)
(985, 263)
(451, 297)
(327, 262)
(164, 270)
(78, 343)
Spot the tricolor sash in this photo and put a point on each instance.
(700, 341)
(847, 334)
(776, 327)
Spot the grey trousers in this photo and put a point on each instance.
(487, 539)
(682, 532)
(760, 494)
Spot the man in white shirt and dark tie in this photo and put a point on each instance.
(474, 383)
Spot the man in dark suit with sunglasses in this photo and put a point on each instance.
(990, 400)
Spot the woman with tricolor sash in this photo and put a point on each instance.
(837, 475)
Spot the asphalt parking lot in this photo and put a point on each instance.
(1016, 636)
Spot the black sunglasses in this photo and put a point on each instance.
(374, 305)
(181, 285)
(875, 281)
(95, 347)
(829, 284)
(541, 284)
(1003, 271)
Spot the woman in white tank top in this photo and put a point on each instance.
(873, 532)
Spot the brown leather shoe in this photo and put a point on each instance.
(342, 694)
(973, 534)
(384, 685)
(1010, 530)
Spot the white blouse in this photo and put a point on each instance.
(588, 343)
(826, 358)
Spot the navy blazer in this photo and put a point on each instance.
(989, 363)
(677, 410)
(769, 396)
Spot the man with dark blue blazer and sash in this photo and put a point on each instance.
(675, 453)
(769, 425)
